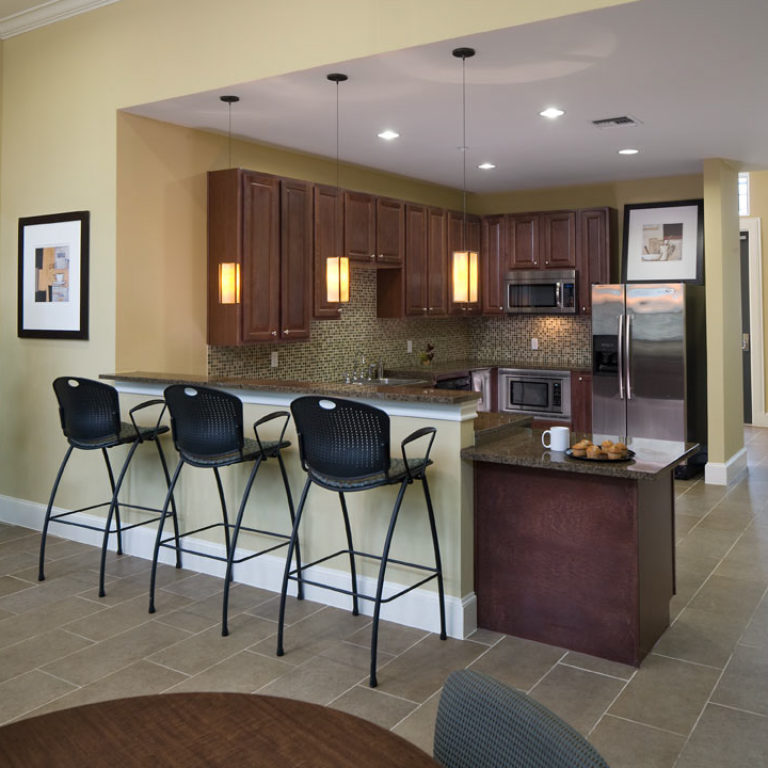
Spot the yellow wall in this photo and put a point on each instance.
(758, 207)
(61, 88)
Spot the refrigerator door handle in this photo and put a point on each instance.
(627, 354)
(620, 361)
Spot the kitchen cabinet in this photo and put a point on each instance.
(328, 220)
(373, 229)
(542, 240)
(457, 242)
(264, 224)
(426, 277)
(581, 401)
(493, 263)
(595, 252)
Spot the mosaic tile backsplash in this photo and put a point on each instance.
(335, 345)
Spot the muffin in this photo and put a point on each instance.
(617, 451)
(580, 449)
(595, 452)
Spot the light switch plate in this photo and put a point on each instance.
(534, 343)
(273, 360)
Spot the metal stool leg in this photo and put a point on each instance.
(224, 515)
(233, 547)
(173, 500)
(438, 561)
(159, 535)
(113, 510)
(289, 496)
(291, 544)
(352, 570)
(380, 585)
(117, 506)
(47, 520)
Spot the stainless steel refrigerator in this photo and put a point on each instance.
(649, 361)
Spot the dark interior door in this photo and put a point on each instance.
(746, 354)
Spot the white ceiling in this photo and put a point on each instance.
(692, 71)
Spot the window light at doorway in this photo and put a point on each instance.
(743, 194)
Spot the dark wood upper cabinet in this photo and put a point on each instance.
(493, 263)
(390, 231)
(523, 250)
(558, 240)
(581, 401)
(437, 291)
(595, 252)
(264, 224)
(295, 259)
(329, 241)
(373, 229)
(416, 260)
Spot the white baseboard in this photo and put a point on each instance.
(719, 473)
(418, 608)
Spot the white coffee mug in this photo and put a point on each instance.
(559, 438)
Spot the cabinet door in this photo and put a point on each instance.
(581, 401)
(390, 236)
(493, 261)
(360, 227)
(437, 268)
(295, 259)
(416, 269)
(523, 248)
(329, 241)
(558, 240)
(593, 252)
(260, 272)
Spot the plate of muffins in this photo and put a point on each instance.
(586, 450)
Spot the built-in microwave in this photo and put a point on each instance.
(537, 393)
(544, 291)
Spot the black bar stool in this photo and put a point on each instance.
(207, 427)
(90, 418)
(344, 447)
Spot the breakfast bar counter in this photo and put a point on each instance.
(575, 553)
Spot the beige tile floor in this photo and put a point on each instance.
(700, 699)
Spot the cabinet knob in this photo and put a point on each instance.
(373, 255)
(424, 309)
(286, 331)
(583, 309)
(274, 333)
(501, 309)
(338, 309)
(580, 378)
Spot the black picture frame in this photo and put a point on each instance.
(53, 276)
(663, 242)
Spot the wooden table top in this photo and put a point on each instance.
(203, 729)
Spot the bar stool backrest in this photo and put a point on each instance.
(205, 422)
(341, 438)
(89, 410)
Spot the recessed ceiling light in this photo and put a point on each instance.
(552, 112)
(388, 135)
(486, 166)
(628, 151)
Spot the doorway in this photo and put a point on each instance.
(746, 354)
(754, 376)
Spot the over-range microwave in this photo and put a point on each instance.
(543, 291)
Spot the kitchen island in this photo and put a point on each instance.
(453, 413)
(575, 553)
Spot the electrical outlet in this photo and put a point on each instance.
(409, 347)
(273, 360)
(534, 343)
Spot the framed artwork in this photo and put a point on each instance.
(664, 242)
(53, 276)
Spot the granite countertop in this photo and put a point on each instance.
(403, 394)
(463, 367)
(523, 448)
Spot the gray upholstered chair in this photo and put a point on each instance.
(482, 723)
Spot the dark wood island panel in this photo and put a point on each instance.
(582, 561)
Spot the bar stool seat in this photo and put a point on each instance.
(207, 427)
(90, 419)
(344, 447)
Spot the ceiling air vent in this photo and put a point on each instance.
(616, 122)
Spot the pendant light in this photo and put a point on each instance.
(229, 272)
(337, 267)
(464, 261)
